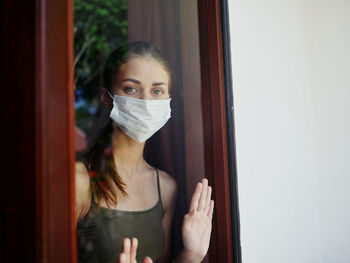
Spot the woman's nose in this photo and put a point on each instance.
(146, 96)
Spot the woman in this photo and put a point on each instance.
(118, 194)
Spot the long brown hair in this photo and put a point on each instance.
(99, 158)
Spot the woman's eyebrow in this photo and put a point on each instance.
(132, 80)
(139, 82)
(158, 84)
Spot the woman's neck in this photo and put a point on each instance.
(128, 154)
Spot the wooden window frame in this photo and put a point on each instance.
(217, 101)
(55, 134)
(51, 122)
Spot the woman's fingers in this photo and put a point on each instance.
(122, 258)
(147, 260)
(126, 246)
(201, 199)
(126, 249)
(203, 196)
(195, 197)
(129, 251)
(211, 210)
(207, 202)
(133, 249)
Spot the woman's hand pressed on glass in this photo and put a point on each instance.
(196, 228)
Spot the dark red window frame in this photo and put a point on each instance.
(215, 127)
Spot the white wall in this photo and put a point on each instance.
(291, 84)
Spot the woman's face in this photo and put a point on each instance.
(142, 78)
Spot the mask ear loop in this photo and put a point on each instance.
(109, 93)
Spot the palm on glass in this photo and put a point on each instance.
(196, 228)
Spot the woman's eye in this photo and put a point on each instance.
(129, 90)
(158, 92)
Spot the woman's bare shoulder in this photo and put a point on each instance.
(168, 189)
(82, 190)
(82, 179)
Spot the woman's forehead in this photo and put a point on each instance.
(143, 68)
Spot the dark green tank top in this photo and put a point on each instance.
(100, 233)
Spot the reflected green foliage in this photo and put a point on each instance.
(99, 27)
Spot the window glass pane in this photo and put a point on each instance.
(177, 148)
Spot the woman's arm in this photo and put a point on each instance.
(82, 191)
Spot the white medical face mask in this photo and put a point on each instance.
(137, 118)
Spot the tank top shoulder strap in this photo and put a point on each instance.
(158, 186)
